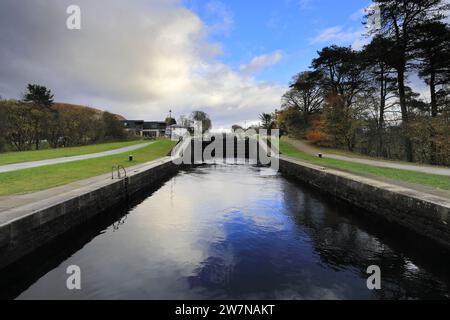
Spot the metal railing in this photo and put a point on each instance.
(121, 172)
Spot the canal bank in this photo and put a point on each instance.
(424, 214)
(25, 228)
(230, 232)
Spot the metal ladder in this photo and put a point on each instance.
(120, 170)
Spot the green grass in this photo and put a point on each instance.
(27, 156)
(41, 178)
(352, 154)
(436, 181)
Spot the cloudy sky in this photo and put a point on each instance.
(141, 58)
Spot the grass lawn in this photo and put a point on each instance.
(350, 154)
(41, 178)
(27, 156)
(436, 181)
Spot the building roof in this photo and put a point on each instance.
(155, 125)
(178, 126)
(144, 125)
(133, 124)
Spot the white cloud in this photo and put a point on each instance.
(336, 34)
(261, 62)
(220, 11)
(340, 36)
(136, 58)
(357, 37)
(359, 15)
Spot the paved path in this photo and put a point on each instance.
(302, 146)
(34, 164)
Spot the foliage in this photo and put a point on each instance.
(290, 120)
(317, 133)
(267, 121)
(362, 98)
(27, 124)
(236, 128)
(203, 118)
(306, 95)
(38, 95)
(170, 121)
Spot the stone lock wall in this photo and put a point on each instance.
(23, 235)
(421, 213)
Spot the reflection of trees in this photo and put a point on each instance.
(339, 243)
(344, 242)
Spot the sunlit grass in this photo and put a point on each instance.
(27, 156)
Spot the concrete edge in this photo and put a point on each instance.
(38, 223)
(375, 183)
(421, 213)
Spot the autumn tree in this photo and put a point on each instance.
(3, 132)
(305, 94)
(343, 80)
(19, 127)
(113, 128)
(267, 121)
(290, 121)
(203, 118)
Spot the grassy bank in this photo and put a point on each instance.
(41, 178)
(27, 156)
(436, 181)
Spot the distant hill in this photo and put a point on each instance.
(65, 106)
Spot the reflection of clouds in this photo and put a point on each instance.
(411, 267)
(205, 236)
(187, 226)
(217, 269)
(228, 232)
(137, 57)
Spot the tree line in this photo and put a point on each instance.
(361, 100)
(35, 122)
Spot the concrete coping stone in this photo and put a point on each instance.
(418, 195)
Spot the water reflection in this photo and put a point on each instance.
(221, 232)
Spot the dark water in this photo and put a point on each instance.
(220, 232)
